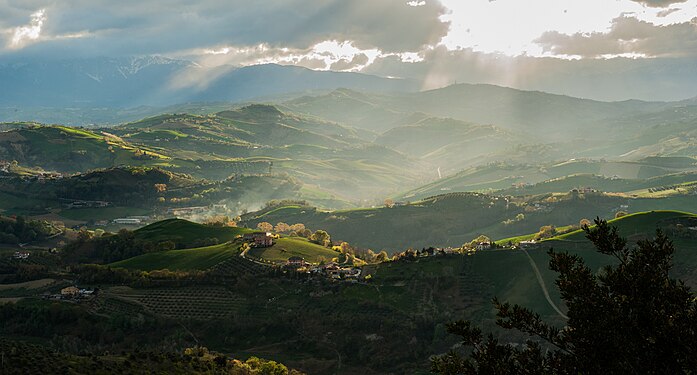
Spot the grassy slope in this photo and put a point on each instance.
(634, 227)
(186, 232)
(287, 247)
(636, 223)
(71, 149)
(181, 260)
(561, 177)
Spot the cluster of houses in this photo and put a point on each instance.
(259, 239)
(583, 190)
(71, 293)
(332, 270)
(87, 204)
(187, 211)
(21, 255)
(521, 185)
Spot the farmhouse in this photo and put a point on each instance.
(70, 291)
(483, 246)
(259, 239)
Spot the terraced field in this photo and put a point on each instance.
(198, 303)
(235, 266)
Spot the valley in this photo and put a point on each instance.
(335, 232)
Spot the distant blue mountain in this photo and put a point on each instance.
(151, 81)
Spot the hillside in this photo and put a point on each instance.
(642, 223)
(326, 156)
(449, 144)
(200, 259)
(634, 227)
(142, 190)
(512, 109)
(185, 232)
(66, 149)
(287, 247)
(520, 179)
(455, 218)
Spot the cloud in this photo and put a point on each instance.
(667, 12)
(28, 33)
(628, 36)
(139, 27)
(659, 3)
(356, 63)
(673, 78)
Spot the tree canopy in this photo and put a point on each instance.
(629, 318)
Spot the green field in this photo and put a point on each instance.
(181, 260)
(287, 247)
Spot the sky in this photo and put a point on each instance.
(517, 43)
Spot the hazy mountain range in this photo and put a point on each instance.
(158, 81)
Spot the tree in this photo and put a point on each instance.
(160, 188)
(382, 257)
(619, 214)
(480, 239)
(298, 227)
(389, 203)
(629, 318)
(346, 248)
(265, 226)
(546, 231)
(282, 227)
(584, 223)
(321, 237)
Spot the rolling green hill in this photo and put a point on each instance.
(549, 115)
(287, 247)
(451, 144)
(150, 189)
(641, 223)
(455, 218)
(66, 149)
(186, 232)
(521, 179)
(198, 259)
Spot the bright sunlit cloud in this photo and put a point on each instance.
(25, 34)
(512, 27)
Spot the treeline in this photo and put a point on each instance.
(19, 230)
(73, 327)
(110, 248)
(125, 244)
(95, 274)
(141, 186)
(25, 358)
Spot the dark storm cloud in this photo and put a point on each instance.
(148, 27)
